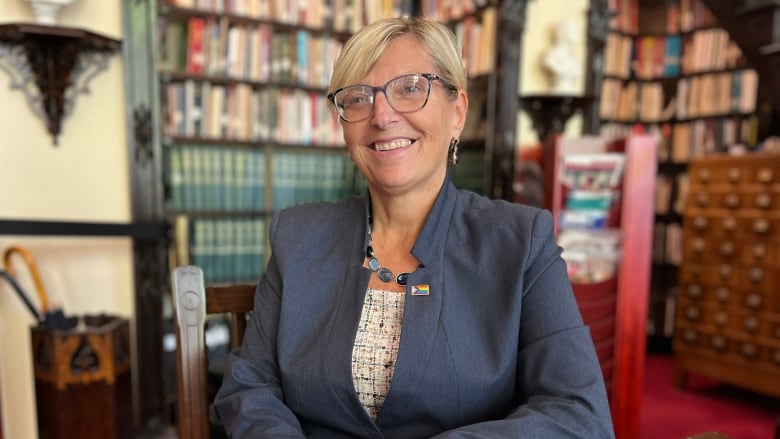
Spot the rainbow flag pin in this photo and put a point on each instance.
(421, 290)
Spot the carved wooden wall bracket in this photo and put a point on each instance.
(51, 65)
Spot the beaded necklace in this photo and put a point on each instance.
(384, 273)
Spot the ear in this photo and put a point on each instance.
(461, 109)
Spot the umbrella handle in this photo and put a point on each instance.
(28, 258)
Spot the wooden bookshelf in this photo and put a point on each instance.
(218, 145)
(672, 72)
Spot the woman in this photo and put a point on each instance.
(418, 310)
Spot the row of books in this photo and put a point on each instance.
(671, 193)
(681, 141)
(221, 178)
(450, 10)
(667, 243)
(238, 111)
(717, 93)
(707, 136)
(301, 178)
(209, 178)
(228, 249)
(657, 57)
(651, 57)
(703, 95)
(336, 15)
(633, 101)
(477, 37)
(624, 16)
(687, 15)
(216, 47)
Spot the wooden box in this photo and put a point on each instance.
(83, 379)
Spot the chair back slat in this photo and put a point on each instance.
(192, 301)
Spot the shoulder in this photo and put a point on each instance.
(318, 218)
(500, 224)
(484, 212)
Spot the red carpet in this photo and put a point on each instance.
(669, 413)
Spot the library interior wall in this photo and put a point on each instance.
(84, 178)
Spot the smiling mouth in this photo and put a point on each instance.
(395, 144)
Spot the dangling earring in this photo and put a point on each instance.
(452, 156)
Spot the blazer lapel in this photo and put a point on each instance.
(421, 312)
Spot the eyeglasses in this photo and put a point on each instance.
(405, 94)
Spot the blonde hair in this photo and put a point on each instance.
(364, 48)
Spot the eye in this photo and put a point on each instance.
(350, 98)
(409, 87)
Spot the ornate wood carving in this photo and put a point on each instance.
(52, 65)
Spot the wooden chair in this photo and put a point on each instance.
(192, 300)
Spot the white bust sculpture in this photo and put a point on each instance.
(559, 60)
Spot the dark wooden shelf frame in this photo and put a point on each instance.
(140, 231)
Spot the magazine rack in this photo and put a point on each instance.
(615, 308)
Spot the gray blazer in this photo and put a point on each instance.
(496, 350)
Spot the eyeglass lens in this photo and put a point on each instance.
(404, 94)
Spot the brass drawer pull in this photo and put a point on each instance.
(765, 175)
(734, 174)
(756, 275)
(731, 201)
(705, 175)
(702, 199)
(753, 300)
(695, 291)
(749, 350)
(729, 223)
(763, 201)
(700, 222)
(692, 313)
(752, 324)
(718, 342)
(761, 225)
(690, 336)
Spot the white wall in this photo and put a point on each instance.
(84, 178)
(542, 17)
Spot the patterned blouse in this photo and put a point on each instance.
(376, 347)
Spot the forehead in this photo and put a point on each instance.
(403, 55)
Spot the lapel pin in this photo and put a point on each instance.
(421, 290)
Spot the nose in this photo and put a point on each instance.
(383, 113)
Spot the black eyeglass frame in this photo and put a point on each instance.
(383, 88)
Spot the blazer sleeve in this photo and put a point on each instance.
(250, 402)
(558, 373)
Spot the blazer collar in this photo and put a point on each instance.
(421, 312)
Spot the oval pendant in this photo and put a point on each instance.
(385, 275)
(373, 265)
(401, 279)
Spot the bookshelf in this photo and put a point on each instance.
(671, 71)
(229, 123)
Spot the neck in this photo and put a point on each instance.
(400, 217)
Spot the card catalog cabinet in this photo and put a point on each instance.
(727, 323)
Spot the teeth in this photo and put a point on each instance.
(392, 145)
